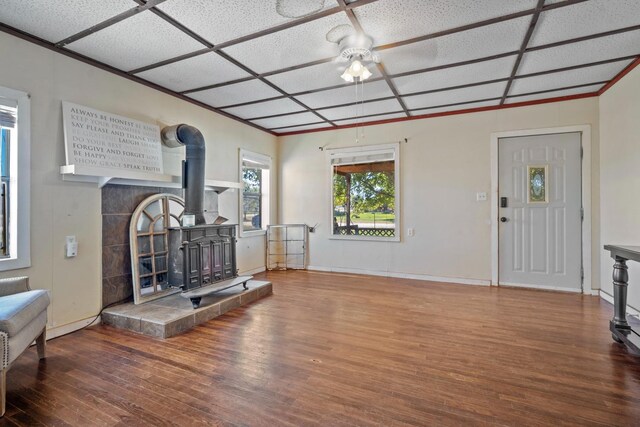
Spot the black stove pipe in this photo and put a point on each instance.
(192, 166)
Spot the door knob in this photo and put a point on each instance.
(503, 219)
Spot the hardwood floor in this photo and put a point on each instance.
(336, 350)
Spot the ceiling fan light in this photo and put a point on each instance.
(347, 77)
(365, 74)
(356, 71)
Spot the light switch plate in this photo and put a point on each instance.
(71, 246)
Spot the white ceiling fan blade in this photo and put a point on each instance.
(298, 8)
(428, 54)
(339, 32)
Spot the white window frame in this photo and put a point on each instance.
(246, 155)
(350, 151)
(19, 184)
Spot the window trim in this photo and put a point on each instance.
(343, 152)
(266, 196)
(20, 185)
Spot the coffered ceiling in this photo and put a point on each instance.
(268, 63)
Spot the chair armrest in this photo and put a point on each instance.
(4, 350)
(14, 285)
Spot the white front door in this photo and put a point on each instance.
(540, 237)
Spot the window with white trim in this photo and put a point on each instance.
(365, 192)
(14, 179)
(254, 197)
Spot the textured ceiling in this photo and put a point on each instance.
(268, 63)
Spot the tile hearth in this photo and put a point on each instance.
(172, 315)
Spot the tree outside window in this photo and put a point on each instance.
(254, 200)
(364, 192)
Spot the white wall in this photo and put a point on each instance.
(62, 208)
(620, 177)
(444, 164)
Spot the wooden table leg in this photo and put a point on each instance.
(620, 283)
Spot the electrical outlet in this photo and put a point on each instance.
(481, 197)
(411, 232)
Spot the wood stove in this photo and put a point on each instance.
(202, 255)
(202, 252)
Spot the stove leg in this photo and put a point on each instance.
(244, 285)
(196, 302)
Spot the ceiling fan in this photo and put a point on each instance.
(355, 49)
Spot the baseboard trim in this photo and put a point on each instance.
(253, 271)
(425, 277)
(609, 298)
(541, 287)
(58, 331)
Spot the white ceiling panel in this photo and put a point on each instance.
(267, 108)
(140, 40)
(390, 21)
(554, 94)
(377, 107)
(619, 45)
(145, 38)
(296, 45)
(223, 20)
(196, 72)
(67, 18)
(579, 76)
(456, 107)
(582, 19)
(455, 76)
(284, 121)
(477, 43)
(236, 93)
(344, 95)
(308, 127)
(493, 90)
(370, 119)
(314, 77)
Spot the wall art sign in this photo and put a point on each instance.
(537, 178)
(107, 141)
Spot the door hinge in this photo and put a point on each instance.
(581, 152)
(582, 275)
(581, 214)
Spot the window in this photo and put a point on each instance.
(365, 192)
(254, 198)
(14, 179)
(7, 117)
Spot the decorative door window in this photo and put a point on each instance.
(537, 178)
(149, 241)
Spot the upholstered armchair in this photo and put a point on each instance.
(23, 319)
